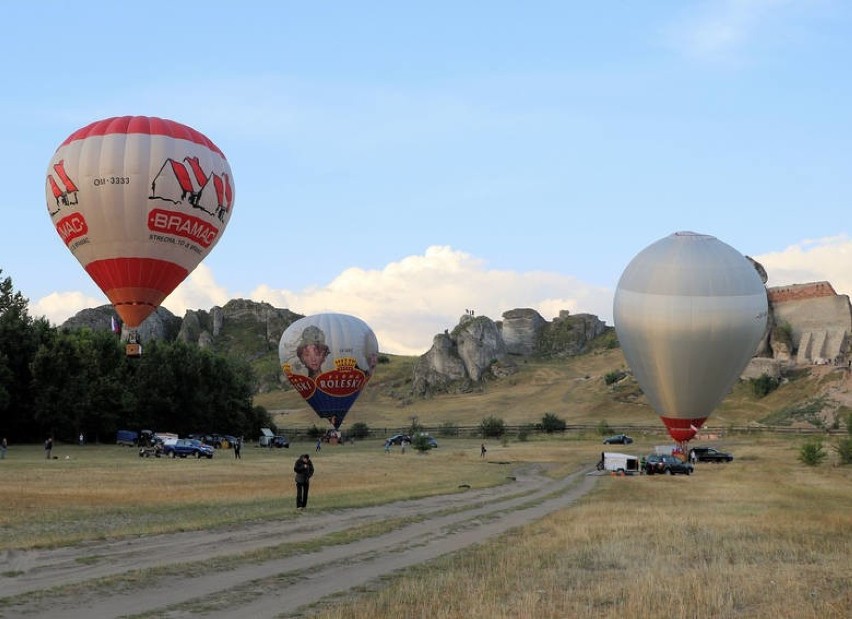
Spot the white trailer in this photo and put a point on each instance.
(622, 464)
(266, 437)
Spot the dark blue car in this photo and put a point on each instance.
(184, 447)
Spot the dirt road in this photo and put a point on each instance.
(172, 575)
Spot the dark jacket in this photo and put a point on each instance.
(304, 471)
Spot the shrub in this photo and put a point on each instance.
(315, 432)
(812, 452)
(525, 431)
(764, 385)
(492, 427)
(421, 443)
(603, 428)
(550, 423)
(844, 450)
(614, 377)
(359, 430)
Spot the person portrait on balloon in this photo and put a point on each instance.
(312, 350)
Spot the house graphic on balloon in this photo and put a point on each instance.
(179, 182)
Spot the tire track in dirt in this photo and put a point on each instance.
(447, 523)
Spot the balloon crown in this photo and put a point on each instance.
(345, 363)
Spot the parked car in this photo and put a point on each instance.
(397, 439)
(709, 454)
(666, 464)
(183, 447)
(279, 440)
(618, 439)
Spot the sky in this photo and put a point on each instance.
(407, 162)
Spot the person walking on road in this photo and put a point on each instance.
(304, 470)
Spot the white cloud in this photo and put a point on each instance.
(58, 307)
(409, 301)
(827, 259)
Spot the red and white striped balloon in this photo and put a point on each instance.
(140, 202)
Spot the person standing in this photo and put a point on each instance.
(237, 445)
(304, 470)
(48, 447)
(319, 444)
(482, 450)
(4, 445)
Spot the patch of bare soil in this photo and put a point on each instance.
(68, 582)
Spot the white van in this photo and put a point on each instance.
(623, 464)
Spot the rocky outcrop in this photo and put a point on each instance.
(478, 348)
(569, 335)
(241, 327)
(160, 325)
(520, 329)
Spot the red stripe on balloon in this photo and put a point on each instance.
(683, 429)
(136, 286)
(149, 125)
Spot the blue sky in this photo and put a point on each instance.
(405, 163)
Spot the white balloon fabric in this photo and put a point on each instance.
(329, 358)
(689, 312)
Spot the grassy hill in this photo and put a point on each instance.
(575, 390)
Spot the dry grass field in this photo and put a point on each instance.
(763, 536)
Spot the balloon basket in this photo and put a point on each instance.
(133, 350)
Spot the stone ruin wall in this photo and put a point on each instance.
(799, 292)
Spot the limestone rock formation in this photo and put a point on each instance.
(243, 327)
(478, 348)
(520, 329)
(160, 325)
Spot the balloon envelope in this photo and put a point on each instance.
(689, 312)
(328, 358)
(139, 201)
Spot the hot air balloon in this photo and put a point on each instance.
(140, 201)
(689, 312)
(328, 358)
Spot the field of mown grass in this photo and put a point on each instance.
(763, 536)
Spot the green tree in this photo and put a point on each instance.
(550, 423)
(360, 430)
(77, 377)
(764, 385)
(844, 450)
(492, 427)
(20, 337)
(421, 443)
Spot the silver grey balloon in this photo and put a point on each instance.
(689, 312)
